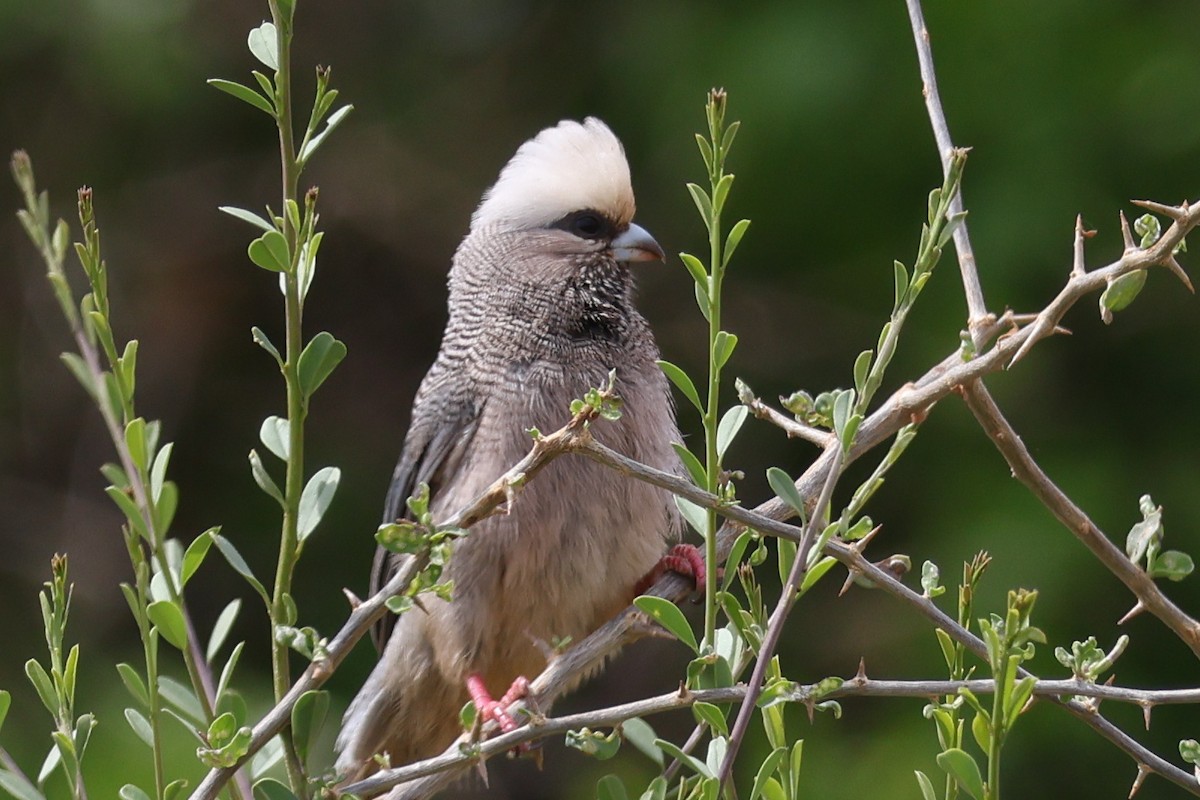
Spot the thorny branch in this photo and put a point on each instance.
(1006, 439)
(422, 779)
(858, 686)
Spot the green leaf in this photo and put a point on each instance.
(316, 141)
(221, 627)
(711, 716)
(727, 139)
(246, 95)
(264, 45)
(691, 762)
(667, 614)
(318, 360)
(158, 471)
(597, 744)
(1121, 292)
(263, 341)
(610, 788)
(927, 792)
(702, 301)
(696, 516)
(271, 789)
(721, 192)
(263, 478)
(43, 685)
(314, 501)
(982, 732)
(1173, 565)
(140, 726)
(193, 557)
(270, 251)
(1189, 751)
(696, 269)
(723, 347)
(705, 152)
(692, 463)
(728, 427)
(657, 790)
(782, 484)
(681, 380)
(18, 786)
(228, 670)
(133, 682)
(131, 792)
(769, 765)
(816, 572)
(132, 513)
(947, 646)
(164, 511)
(901, 285)
(703, 203)
(168, 618)
(79, 369)
(862, 367)
(5, 702)
(308, 715)
(638, 733)
(960, 766)
(241, 213)
(1017, 700)
(239, 565)
(182, 698)
(734, 239)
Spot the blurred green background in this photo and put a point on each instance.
(1071, 107)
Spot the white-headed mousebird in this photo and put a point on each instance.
(540, 310)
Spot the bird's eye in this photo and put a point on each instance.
(587, 225)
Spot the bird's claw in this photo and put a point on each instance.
(497, 710)
(684, 559)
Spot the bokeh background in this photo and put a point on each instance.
(1071, 107)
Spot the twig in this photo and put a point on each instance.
(787, 598)
(362, 617)
(1185, 217)
(976, 306)
(1027, 471)
(793, 428)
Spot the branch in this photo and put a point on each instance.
(467, 754)
(1027, 471)
(976, 307)
(365, 614)
(793, 428)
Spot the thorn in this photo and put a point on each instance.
(683, 691)
(845, 588)
(1143, 771)
(1126, 234)
(861, 675)
(1170, 263)
(1036, 332)
(1146, 709)
(861, 544)
(352, 598)
(1133, 612)
(481, 768)
(1174, 212)
(1077, 267)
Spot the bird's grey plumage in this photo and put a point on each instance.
(540, 310)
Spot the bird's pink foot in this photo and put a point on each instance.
(684, 559)
(496, 710)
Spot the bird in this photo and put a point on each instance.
(541, 308)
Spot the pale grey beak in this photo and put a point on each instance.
(636, 244)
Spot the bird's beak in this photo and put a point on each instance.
(636, 244)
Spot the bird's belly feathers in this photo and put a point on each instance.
(577, 538)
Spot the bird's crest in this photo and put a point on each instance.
(572, 166)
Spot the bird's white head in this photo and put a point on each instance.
(570, 167)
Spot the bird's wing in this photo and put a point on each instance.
(432, 452)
